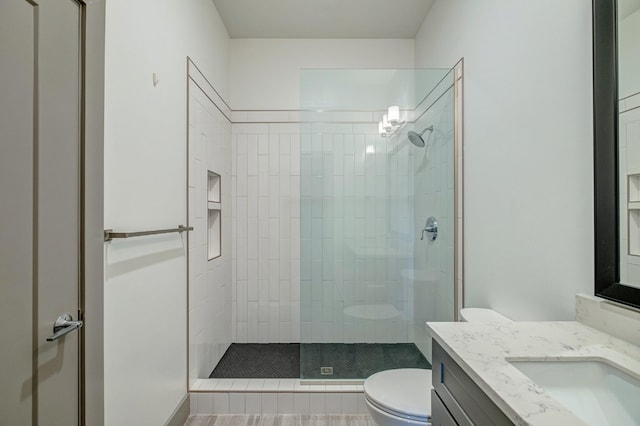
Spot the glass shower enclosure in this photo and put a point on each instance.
(371, 274)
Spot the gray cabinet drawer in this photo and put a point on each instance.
(462, 397)
(439, 414)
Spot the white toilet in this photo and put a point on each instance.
(403, 396)
(482, 315)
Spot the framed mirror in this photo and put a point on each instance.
(616, 104)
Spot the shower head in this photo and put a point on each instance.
(416, 138)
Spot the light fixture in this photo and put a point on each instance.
(381, 130)
(393, 114)
(390, 124)
(385, 124)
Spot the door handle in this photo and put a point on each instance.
(64, 325)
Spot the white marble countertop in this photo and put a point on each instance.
(484, 350)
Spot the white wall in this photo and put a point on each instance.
(145, 188)
(528, 178)
(265, 73)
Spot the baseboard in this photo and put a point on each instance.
(181, 413)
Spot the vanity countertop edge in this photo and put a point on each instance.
(484, 352)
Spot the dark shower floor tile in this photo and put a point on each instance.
(259, 361)
(349, 361)
(358, 360)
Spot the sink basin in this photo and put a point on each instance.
(598, 393)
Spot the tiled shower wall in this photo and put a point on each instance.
(209, 280)
(358, 206)
(266, 233)
(434, 165)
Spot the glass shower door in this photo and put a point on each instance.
(365, 273)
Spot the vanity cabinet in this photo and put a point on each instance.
(456, 399)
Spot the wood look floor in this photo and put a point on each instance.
(280, 420)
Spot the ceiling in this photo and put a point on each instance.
(323, 18)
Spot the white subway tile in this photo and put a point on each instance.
(301, 403)
(263, 143)
(285, 180)
(285, 403)
(252, 279)
(252, 165)
(263, 172)
(283, 303)
(317, 403)
(362, 405)
(284, 333)
(204, 403)
(241, 141)
(274, 280)
(193, 403)
(285, 144)
(241, 302)
(350, 403)
(239, 384)
(236, 403)
(285, 128)
(269, 403)
(252, 322)
(333, 403)
(207, 384)
(287, 385)
(220, 403)
(274, 331)
(255, 385)
(271, 385)
(241, 332)
(253, 403)
(295, 330)
(263, 332)
(274, 320)
(294, 156)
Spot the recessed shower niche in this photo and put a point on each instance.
(214, 216)
(213, 187)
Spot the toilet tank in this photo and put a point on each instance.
(482, 315)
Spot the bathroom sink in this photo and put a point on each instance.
(595, 391)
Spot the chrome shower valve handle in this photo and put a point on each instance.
(431, 228)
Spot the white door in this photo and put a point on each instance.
(40, 215)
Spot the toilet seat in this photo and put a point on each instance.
(404, 393)
(482, 315)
